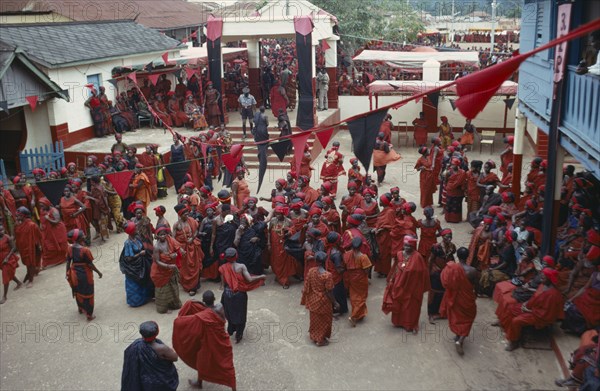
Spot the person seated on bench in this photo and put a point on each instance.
(543, 309)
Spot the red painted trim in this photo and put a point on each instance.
(332, 93)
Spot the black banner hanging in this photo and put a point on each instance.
(214, 69)
(364, 132)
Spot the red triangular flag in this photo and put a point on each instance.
(325, 45)
(324, 136)
(299, 141)
(476, 89)
(120, 181)
(417, 100)
(165, 57)
(32, 101)
(190, 72)
(133, 77)
(154, 78)
(90, 86)
(231, 159)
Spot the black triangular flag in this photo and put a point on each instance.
(4, 105)
(149, 67)
(281, 148)
(177, 172)
(433, 98)
(364, 132)
(53, 189)
(509, 102)
(113, 82)
(453, 104)
(177, 72)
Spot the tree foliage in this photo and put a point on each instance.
(391, 20)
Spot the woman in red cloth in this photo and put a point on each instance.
(236, 282)
(330, 172)
(405, 224)
(506, 157)
(587, 300)
(454, 186)
(199, 338)
(429, 228)
(386, 128)
(383, 227)
(178, 116)
(406, 286)
(28, 239)
(9, 262)
(318, 298)
(164, 273)
(161, 111)
(459, 302)
(311, 245)
(370, 207)
(186, 233)
(317, 222)
(80, 265)
(487, 177)
(239, 188)
(420, 129)
(543, 309)
(279, 99)
(331, 215)
(150, 162)
(354, 173)
(350, 202)
(72, 211)
(284, 266)
(427, 180)
(8, 209)
(54, 235)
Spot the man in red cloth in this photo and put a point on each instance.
(186, 233)
(140, 186)
(543, 309)
(150, 162)
(310, 194)
(236, 282)
(385, 222)
(332, 170)
(459, 302)
(350, 202)
(28, 238)
(407, 283)
(9, 262)
(386, 128)
(420, 129)
(200, 340)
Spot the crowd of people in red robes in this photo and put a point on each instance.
(330, 240)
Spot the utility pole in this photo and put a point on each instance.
(493, 32)
(452, 28)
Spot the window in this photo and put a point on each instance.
(95, 80)
(539, 26)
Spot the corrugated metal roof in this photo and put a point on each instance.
(60, 44)
(156, 14)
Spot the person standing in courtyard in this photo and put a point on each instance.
(356, 280)
(164, 272)
(236, 282)
(459, 302)
(80, 268)
(322, 88)
(186, 233)
(28, 239)
(199, 338)
(318, 298)
(135, 262)
(247, 104)
(148, 363)
(9, 262)
(407, 283)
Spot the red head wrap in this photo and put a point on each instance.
(370, 191)
(593, 237)
(130, 228)
(352, 185)
(410, 240)
(551, 274)
(384, 200)
(549, 261)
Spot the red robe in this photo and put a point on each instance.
(546, 307)
(352, 233)
(191, 262)
(236, 281)
(54, 240)
(428, 238)
(404, 292)
(8, 268)
(385, 221)
(150, 161)
(161, 275)
(28, 238)
(333, 217)
(283, 265)
(426, 181)
(200, 340)
(371, 212)
(459, 302)
(351, 203)
(67, 208)
(386, 129)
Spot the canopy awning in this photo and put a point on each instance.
(407, 87)
(199, 55)
(418, 58)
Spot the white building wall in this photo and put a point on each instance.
(491, 117)
(38, 127)
(75, 78)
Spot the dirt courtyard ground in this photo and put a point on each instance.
(46, 345)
